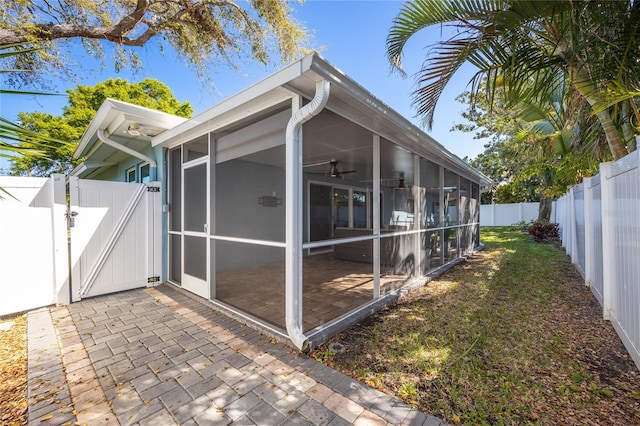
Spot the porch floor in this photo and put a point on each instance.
(332, 288)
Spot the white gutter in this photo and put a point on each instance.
(293, 282)
(105, 140)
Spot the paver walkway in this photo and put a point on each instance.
(158, 357)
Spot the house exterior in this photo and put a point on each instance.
(301, 204)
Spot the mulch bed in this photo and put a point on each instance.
(13, 371)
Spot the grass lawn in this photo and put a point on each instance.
(512, 336)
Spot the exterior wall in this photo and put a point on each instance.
(117, 173)
(237, 207)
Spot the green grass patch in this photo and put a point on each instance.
(499, 339)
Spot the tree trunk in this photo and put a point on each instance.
(544, 211)
(586, 88)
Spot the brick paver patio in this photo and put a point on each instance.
(158, 357)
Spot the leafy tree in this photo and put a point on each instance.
(84, 101)
(528, 48)
(204, 32)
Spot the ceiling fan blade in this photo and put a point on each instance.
(320, 163)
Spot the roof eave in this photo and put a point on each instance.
(109, 111)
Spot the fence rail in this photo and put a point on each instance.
(600, 223)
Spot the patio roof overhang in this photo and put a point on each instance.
(117, 131)
(347, 99)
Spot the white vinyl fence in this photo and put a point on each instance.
(508, 214)
(33, 243)
(115, 240)
(600, 223)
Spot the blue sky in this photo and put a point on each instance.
(349, 34)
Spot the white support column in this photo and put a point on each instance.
(61, 272)
(213, 286)
(608, 235)
(376, 216)
(443, 243)
(417, 219)
(588, 231)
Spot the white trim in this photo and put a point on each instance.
(191, 283)
(133, 169)
(248, 241)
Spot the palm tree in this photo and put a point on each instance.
(11, 133)
(519, 45)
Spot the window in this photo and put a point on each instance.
(359, 199)
(130, 175)
(195, 149)
(145, 175)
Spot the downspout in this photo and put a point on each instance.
(153, 166)
(293, 285)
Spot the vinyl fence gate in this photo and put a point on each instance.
(116, 237)
(114, 230)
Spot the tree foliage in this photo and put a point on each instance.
(204, 32)
(83, 103)
(536, 150)
(527, 48)
(15, 139)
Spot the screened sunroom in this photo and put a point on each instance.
(304, 203)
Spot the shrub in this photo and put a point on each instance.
(544, 232)
(523, 225)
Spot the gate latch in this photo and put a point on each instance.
(71, 218)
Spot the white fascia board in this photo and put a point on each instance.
(200, 125)
(212, 117)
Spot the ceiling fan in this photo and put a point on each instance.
(333, 171)
(135, 129)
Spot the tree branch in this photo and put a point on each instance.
(115, 33)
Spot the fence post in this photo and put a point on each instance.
(76, 251)
(60, 243)
(608, 232)
(588, 231)
(571, 219)
(520, 212)
(493, 214)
